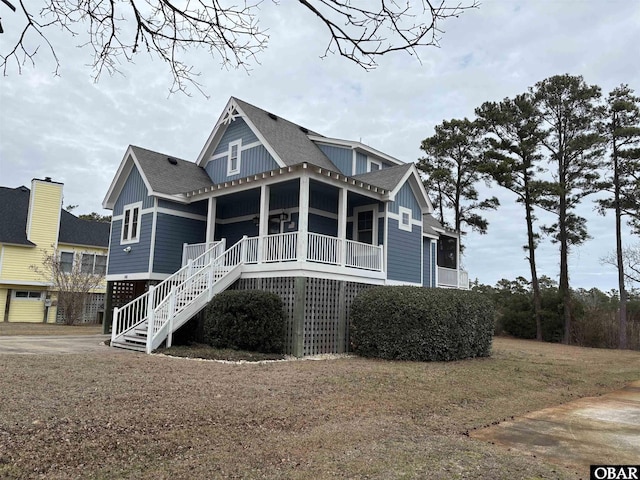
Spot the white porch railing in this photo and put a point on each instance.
(168, 305)
(280, 248)
(196, 250)
(324, 249)
(363, 255)
(452, 278)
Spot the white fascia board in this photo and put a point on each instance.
(118, 180)
(220, 128)
(215, 136)
(356, 146)
(417, 186)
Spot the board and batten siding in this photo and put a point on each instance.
(237, 130)
(233, 232)
(253, 160)
(404, 262)
(340, 157)
(135, 261)
(323, 225)
(134, 190)
(171, 233)
(406, 198)
(197, 208)
(361, 163)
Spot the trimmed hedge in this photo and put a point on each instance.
(245, 320)
(423, 324)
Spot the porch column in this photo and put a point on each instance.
(264, 219)
(303, 218)
(342, 225)
(211, 220)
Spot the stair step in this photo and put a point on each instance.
(129, 346)
(135, 339)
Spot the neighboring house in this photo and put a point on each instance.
(268, 204)
(33, 222)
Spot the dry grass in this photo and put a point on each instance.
(10, 329)
(119, 415)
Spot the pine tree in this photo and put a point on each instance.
(623, 135)
(511, 158)
(571, 117)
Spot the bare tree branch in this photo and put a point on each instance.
(72, 282)
(117, 30)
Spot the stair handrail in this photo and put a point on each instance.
(130, 315)
(205, 278)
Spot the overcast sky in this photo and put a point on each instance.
(76, 131)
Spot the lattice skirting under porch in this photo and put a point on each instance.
(317, 311)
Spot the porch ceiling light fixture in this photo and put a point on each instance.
(284, 216)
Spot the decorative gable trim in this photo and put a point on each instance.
(230, 113)
(415, 182)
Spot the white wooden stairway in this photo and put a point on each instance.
(146, 322)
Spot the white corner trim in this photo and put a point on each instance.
(152, 247)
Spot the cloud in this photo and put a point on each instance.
(76, 131)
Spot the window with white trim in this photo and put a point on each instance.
(27, 295)
(93, 263)
(131, 223)
(234, 157)
(404, 222)
(373, 165)
(66, 262)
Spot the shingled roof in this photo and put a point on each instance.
(14, 210)
(287, 139)
(168, 177)
(387, 178)
(76, 231)
(429, 222)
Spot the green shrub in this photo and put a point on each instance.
(245, 320)
(424, 324)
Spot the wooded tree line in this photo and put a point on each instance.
(551, 146)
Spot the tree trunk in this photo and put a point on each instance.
(622, 310)
(565, 294)
(535, 286)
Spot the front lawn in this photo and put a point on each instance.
(128, 415)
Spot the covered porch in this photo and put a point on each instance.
(308, 222)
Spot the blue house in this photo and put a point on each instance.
(268, 205)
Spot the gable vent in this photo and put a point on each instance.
(272, 116)
(172, 161)
(304, 130)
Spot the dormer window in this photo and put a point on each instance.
(234, 157)
(373, 165)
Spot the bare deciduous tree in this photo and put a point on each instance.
(117, 30)
(72, 282)
(631, 260)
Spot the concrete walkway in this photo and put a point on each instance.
(588, 431)
(49, 344)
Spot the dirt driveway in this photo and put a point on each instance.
(50, 344)
(589, 431)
